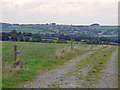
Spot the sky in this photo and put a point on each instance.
(75, 12)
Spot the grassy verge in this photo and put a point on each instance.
(0, 65)
(118, 63)
(36, 56)
(96, 63)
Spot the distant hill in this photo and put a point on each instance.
(94, 29)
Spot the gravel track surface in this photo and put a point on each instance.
(109, 78)
(47, 79)
(65, 77)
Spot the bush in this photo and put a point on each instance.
(61, 41)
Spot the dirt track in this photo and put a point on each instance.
(58, 77)
(109, 78)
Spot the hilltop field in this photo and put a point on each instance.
(56, 29)
(37, 56)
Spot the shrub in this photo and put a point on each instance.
(61, 41)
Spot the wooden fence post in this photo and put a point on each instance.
(15, 52)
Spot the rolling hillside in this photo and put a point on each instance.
(46, 29)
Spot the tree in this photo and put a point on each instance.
(19, 33)
(67, 37)
(62, 36)
(5, 36)
(29, 34)
(36, 37)
(14, 37)
(13, 32)
(21, 38)
(27, 39)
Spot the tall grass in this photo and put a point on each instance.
(0, 64)
(118, 67)
(36, 56)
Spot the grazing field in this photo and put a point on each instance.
(118, 63)
(36, 56)
(0, 65)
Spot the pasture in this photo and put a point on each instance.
(36, 56)
(0, 65)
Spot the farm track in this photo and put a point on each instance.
(109, 78)
(58, 78)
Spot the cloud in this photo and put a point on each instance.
(60, 12)
(17, 1)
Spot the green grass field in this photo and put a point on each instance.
(108, 35)
(118, 67)
(0, 65)
(36, 56)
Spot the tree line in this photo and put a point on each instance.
(25, 36)
(61, 38)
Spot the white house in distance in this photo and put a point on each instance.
(100, 33)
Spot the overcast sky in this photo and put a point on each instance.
(74, 12)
